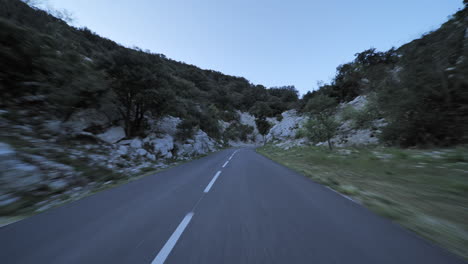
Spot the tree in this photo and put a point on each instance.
(322, 126)
(263, 127)
(139, 89)
(261, 110)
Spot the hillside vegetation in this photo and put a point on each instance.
(419, 89)
(74, 68)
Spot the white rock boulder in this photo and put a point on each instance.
(163, 146)
(249, 120)
(113, 135)
(287, 127)
(122, 150)
(136, 143)
(167, 125)
(141, 152)
(201, 144)
(151, 157)
(15, 174)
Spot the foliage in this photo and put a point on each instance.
(320, 130)
(186, 128)
(263, 126)
(238, 131)
(75, 68)
(420, 89)
(139, 89)
(362, 118)
(428, 102)
(322, 125)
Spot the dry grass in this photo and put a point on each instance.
(424, 190)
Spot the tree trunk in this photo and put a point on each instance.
(329, 144)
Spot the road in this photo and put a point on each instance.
(234, 206)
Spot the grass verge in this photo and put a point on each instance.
(425, 191)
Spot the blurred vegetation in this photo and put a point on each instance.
(421, 88)
(423, 190)
(263, 127)
(238, 132)
(75, 68)
(322, 124)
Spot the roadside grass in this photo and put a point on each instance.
(425, 191)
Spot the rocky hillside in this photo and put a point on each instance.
(79, 112)
(46, 161)
(413, 96)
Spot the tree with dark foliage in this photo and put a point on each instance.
(263, 127)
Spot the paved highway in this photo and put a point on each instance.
(234, 206)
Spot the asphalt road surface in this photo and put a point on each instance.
(234, 206)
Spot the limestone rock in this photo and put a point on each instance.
(15, 174)
(113, 134)
(136, 143)
(141, 152)
(58, 184)
(122, 150)
(167, 125)
(201, 144)
(163, 146)
(151, 156)
(287, 127)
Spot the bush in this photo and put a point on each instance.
(279, 117)
(362, 118)
(301, 133)
(186, 128)
(229, 116)
(320, 130)
(348, 113)
(237, 131)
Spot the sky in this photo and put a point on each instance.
(274, 42)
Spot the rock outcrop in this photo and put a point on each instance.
(249, 120)
(15, 174)
(113, 135)
(200, 144)
(348, 135)
(163, 146)
(287, 128)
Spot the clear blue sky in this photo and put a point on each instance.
(273, 43)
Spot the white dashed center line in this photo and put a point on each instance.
(171, 242)
(208, 187)
(166, 250)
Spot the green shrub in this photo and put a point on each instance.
(186, 128)
(279, 117)
(348, 113)
(237, 131)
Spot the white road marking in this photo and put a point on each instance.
(208, 187)
(345, 196)
(226, 163)
(167, 248)
(233, 154)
